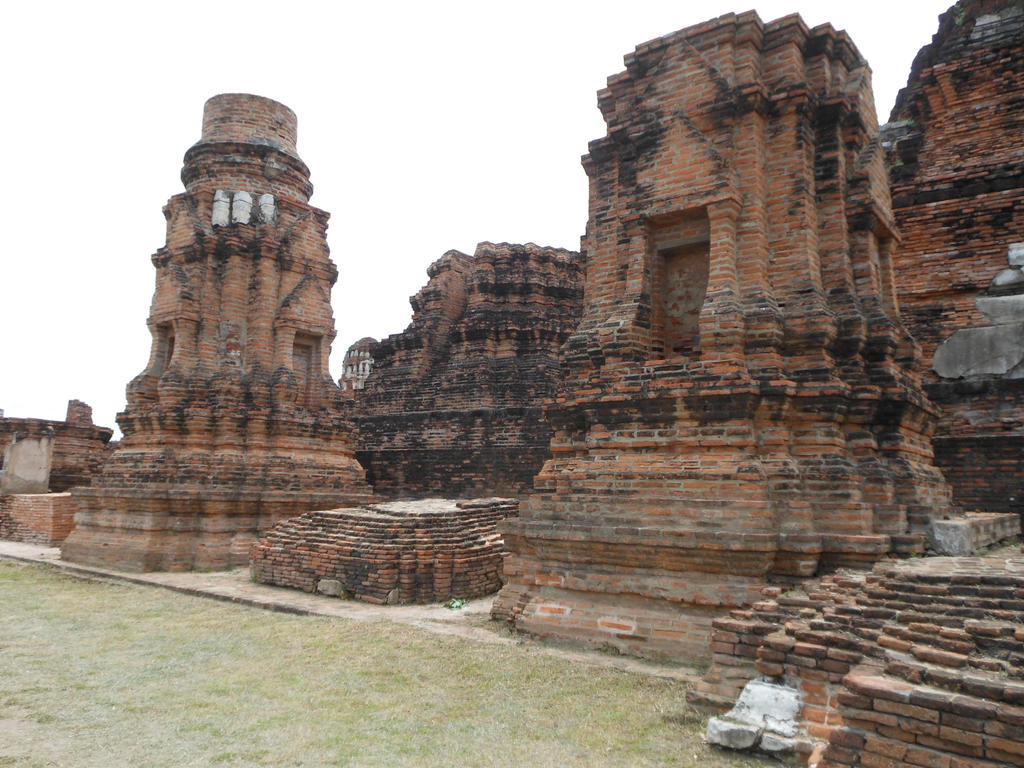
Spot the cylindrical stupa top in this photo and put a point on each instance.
(248, 145)
(250, 119)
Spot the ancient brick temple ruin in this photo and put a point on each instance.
(79, 446)
(235, 422)
(740, 399)
(454, 404)
(956, 161)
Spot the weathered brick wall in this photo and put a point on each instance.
(37, 518)
(765, 417)
(917, 663)
(235, 423)
(956, 165)
(454, 404)
(79, 447)
(402, 552)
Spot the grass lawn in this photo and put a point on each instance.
(96, 673)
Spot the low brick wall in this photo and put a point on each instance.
(402, 552)
(37, 518)
(80, 448)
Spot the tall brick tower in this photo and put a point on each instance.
(235, 422)
(739, 398)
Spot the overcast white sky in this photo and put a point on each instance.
(426, 125)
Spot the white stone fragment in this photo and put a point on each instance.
(1002, 310)
(221, 208)
(241, 208)
(726, 733)
(268, 209)
(1008, 277)
(770, 742)
(330, 587)
(1015, 254)
(773, 707)
(765, 715)
(991, 350)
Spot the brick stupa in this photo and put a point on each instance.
(740, 399)
(235, 423)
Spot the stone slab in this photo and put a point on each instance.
(725, 733)
(966, 535)
(27, 465)
(1002, 310)
(994, 350)
(768, 705)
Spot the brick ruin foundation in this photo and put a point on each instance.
(454, 404)
(45, 519)
(736, 402)
(235, 423)
(398, 552)
(740, 400)
(79, 447)
(956, 165)
(920, 662)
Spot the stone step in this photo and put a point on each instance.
(925, 669)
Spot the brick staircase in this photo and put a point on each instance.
(919, 662)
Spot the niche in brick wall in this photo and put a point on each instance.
(305, 359)
(164, 346)
(679, 248)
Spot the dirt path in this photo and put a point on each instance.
(470, 622)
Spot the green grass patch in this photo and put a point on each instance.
(113, 674)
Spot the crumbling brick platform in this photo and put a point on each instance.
(399, 552)
(37, 518)
(919, 662)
